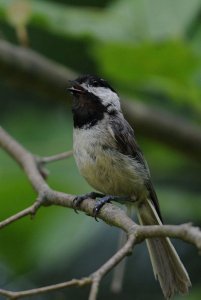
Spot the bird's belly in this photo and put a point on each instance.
(109, 172)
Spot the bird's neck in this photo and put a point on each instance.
(84, 116)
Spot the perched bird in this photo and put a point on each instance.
(109, 158)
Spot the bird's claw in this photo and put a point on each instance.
(99, 204)
(79, 199)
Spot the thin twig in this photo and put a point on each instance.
(94, 288)
(45, 289)
(56, 157)
(94, 279)
(185, 232)
(31, 211)
(27, 211)
(110, 264)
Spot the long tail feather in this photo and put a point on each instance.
(167, 266)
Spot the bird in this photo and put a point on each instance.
(108, 157)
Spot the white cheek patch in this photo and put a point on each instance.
(105, 94)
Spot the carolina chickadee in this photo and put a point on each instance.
(108, 157)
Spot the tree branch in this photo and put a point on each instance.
(45, 289)
(56, 157)
(27, 211)
(109, 213)
(24, 67)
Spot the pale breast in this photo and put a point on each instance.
(104, 168)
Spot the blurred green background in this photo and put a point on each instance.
(148, 50)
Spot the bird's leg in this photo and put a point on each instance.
(107, 199)
(78, 199)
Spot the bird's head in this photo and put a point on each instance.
(93, 92)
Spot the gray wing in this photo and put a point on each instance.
(125, 138)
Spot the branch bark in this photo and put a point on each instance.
(24, 67)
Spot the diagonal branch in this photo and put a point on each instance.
(23, 213)
(26, 68)
(109, 214)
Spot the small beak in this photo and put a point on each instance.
(76, 88)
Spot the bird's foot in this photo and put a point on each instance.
(79, 199)
(106, 199)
